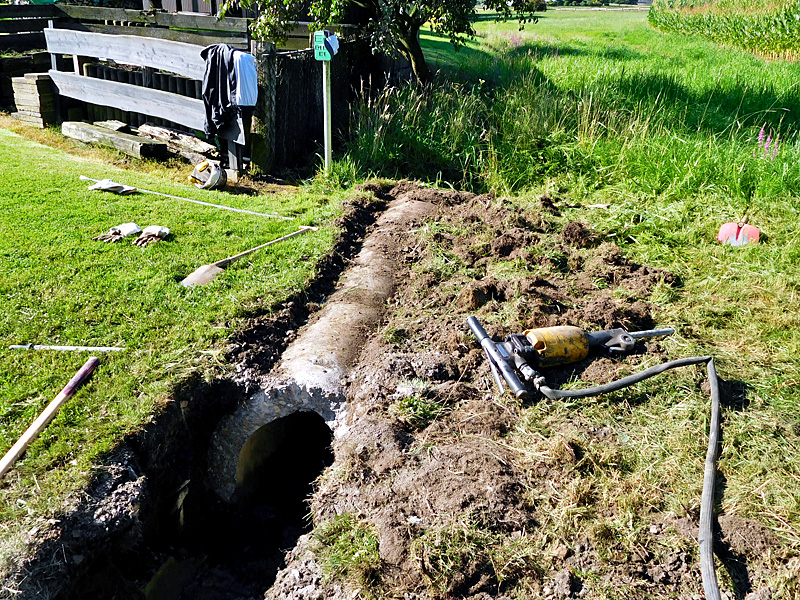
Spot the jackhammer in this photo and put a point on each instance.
(549, 347)
(561, 345)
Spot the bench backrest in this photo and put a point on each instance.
(158, 54)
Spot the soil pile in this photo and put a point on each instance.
(447, 505)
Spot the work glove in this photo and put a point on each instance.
(150, 234)
(107, 185)
(115, 234)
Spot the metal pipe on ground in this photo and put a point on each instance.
(66, 348)
(239, 210)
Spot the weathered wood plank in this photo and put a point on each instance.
(22, 25)
(191, 148)
(162, 19)
(127, 97)
(34, 120)
(13, 11)
(199, 38)
(177, 57)
(178, 138)
(127, 143)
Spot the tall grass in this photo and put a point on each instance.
(618, 125)
(439, 133)
(519, 113)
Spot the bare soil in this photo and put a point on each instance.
(416, 482)
(448, 497)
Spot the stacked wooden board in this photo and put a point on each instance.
(34, 99)
(17, 66)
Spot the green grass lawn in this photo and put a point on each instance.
(59, 287)
(597, 108)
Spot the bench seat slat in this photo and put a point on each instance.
(171, 107)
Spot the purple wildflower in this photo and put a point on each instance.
(766, 147)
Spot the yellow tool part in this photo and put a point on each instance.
(559, 345)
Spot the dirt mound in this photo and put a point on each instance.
(424, 459)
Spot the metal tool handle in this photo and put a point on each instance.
(497, 358)
(638, 335)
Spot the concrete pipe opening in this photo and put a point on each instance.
(280, 461)
(238, 545)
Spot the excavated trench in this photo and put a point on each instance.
(207, 499)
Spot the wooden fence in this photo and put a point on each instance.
(164, 46)
(21, 27)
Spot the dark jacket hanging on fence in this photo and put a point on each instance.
(219, 87)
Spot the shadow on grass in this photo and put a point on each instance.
(716, 111)
(733, 396)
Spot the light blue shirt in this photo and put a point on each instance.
(244, 66)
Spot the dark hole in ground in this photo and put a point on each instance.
(235, 551)
(205, 549)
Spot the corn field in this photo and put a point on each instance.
(770, 28)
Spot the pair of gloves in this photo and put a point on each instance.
(153, 233)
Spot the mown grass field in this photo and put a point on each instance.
(59, 287)
(662, 134)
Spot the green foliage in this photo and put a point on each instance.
(418, 410)
(436, 133)
(59, 287)
(771, 28)
(392, 25)
(523, 108)
(343, 174)
(348, 549)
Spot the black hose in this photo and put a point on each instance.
(624, 382)
(706, 533)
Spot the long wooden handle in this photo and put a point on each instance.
(226, 261)
(46, 415)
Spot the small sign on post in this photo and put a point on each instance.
(326, 45)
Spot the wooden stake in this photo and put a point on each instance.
(47, 414)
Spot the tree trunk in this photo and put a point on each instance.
(411, 50)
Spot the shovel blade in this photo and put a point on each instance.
(736, 234)
(202, 275)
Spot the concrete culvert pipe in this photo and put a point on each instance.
(308, 379)
(279, 462)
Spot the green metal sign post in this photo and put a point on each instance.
(325, 47)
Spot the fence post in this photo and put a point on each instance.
(262, 142)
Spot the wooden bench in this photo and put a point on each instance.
(153, 55)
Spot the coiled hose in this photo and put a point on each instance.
(706, 533)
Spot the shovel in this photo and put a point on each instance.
(208, 273)
(738, 234)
